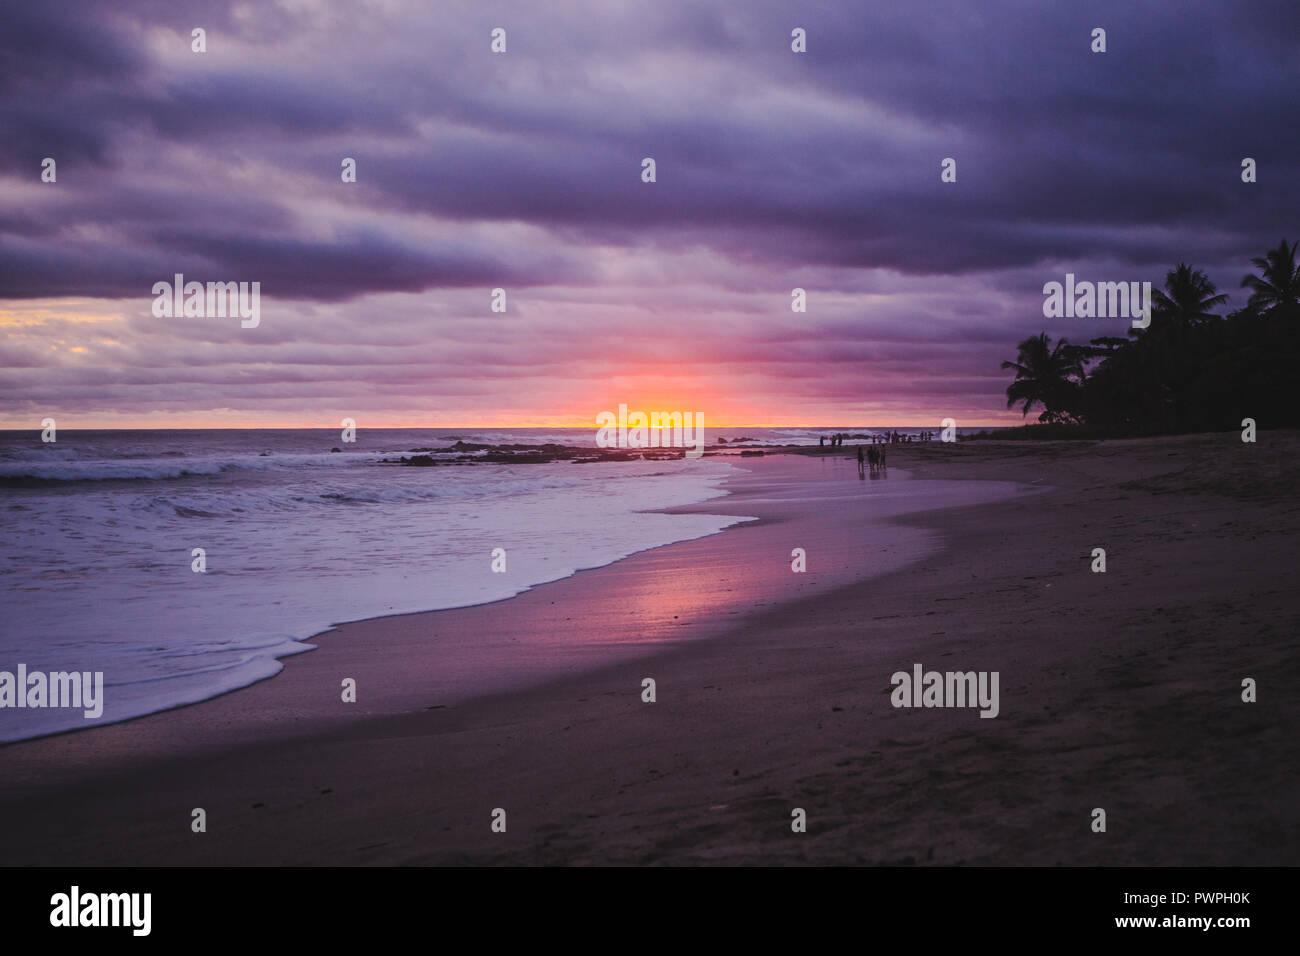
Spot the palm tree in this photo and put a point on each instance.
(1188, 297)
(1184, 335)
(1047, 375)
(1276, 290)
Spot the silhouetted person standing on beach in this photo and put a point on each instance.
(861, 462)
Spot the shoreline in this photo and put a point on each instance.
(584, 739)
(285, 621)
(798, 467)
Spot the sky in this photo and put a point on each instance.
(522, 170)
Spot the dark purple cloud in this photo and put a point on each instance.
(522, 171)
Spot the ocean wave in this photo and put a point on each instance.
(30, 473)
(288, 553)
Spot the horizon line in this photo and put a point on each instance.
(333, 428)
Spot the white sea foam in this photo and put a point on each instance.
(97, 574)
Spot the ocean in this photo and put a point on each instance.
(100, 528)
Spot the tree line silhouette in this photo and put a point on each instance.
(1191, 369)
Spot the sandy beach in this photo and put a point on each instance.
(1119, 690)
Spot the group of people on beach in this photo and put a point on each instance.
(875, 457)
(889, 438)
(894, 438)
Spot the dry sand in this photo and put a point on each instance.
(1118, 690)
